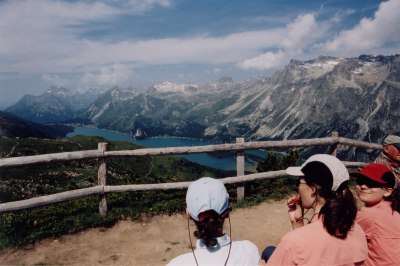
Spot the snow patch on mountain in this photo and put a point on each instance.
(96, 113)
(167, 86)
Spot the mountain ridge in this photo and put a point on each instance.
(355, 96)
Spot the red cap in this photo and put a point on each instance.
(377, 172)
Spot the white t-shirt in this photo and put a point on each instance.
(243, 253)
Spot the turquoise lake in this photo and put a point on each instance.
(225, 163)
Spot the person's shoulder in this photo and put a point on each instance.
(247, 245)
(366, 214)
(309, 231)
(243, 242)
(357, 230)
(375, 210)
(381, 159)
(244, 252)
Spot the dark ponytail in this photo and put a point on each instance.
(209, 227)
(339, 210)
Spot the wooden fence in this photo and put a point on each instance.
(102, 154)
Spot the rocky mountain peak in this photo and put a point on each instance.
(116, 94)
(225, 80)
(374, 58)
(60, 92)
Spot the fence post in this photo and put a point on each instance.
(240, 170)
(102, 178)
(334, 147)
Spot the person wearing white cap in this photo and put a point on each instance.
(208, 206)
(330, 236)
(390, 155)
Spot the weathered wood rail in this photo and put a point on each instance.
(102, 154)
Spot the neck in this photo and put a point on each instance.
(320, 202)
(393, 162)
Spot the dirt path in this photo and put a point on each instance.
(152, 242)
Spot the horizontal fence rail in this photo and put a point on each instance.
(99, 190)
(90, 154)
(101, 154)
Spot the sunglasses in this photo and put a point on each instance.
(368, 182)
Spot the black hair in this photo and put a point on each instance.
(389, 179)
(340, 208)
(209, 227)
(394, 199)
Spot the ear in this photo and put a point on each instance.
(313, 191)
(187, 213)
(388, 192)
(386, 149)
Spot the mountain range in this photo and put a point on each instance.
(358, 97)
(55, 105)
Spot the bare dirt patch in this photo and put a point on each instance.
(150, 242)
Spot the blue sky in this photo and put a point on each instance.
(137, 43)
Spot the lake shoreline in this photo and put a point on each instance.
(227, 163)
(152, 137)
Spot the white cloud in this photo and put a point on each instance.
(40, 35)
(144, 5)
(183, 50)
(116, 75)
(291, 42)
(267, 60)
(55, 80)
(217, 70)
(369, 33)
(47, 37)
(338, 17)
(300, 33)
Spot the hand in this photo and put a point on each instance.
(295, 211)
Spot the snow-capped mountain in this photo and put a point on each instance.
(356, 96)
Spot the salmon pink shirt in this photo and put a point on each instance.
(313, 245)
(382, 229)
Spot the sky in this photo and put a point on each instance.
(138, 43)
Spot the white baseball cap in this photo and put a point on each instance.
(392, 140)
(325, 170)
(206, 194)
